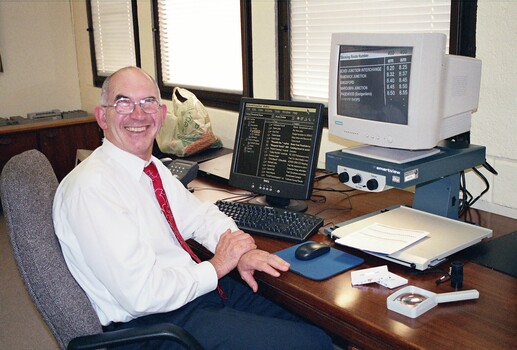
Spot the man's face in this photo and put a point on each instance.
(134, 132)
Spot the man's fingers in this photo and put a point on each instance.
(239, 238)
(278, 263)
(250, 280)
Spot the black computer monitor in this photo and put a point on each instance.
(276, 151)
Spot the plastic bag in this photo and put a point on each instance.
(187, 129)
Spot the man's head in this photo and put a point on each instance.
(131, 113)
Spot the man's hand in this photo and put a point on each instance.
(259, 260)
(230, 248)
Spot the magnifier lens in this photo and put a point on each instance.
(411, 300)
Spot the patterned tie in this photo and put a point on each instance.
(161, 196)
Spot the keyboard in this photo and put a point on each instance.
(271, 222)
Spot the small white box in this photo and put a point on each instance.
(392, 281)
(371, 275)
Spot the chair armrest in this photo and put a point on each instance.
(163, 331)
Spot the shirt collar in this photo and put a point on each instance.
(133, 165)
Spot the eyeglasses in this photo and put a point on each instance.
(126, 105)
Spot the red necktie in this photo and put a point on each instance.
(161, 196)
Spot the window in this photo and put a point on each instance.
(306, 27)
(204, 46)
(113, 28)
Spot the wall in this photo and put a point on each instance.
(493, 125)
(38, 56)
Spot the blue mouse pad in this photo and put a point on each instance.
(322, 267)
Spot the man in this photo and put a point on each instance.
(123, 251)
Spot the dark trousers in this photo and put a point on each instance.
(244, 321)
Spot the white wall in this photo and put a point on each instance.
(38, 55)
(40, 73)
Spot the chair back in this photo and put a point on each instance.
(27, 187)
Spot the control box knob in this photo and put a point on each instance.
(372, 184)
(344, 177)
(356, 179)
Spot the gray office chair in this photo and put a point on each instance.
(27, 187)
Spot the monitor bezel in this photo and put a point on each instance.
(287, 190)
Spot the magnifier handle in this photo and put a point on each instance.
(457, 296)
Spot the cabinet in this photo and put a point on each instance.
(58, 140)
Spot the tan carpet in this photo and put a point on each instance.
(21, 326)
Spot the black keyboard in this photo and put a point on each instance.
(271, 222)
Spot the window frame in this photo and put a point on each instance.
(222, 100)
(98, 80)
(462, 40)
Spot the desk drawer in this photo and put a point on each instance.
(13, 144)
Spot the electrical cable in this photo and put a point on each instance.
(467, 199)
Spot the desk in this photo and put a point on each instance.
(57, 139)
(359, 314)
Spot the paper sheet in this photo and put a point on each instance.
(382, 239)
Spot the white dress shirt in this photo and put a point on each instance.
(119, 246)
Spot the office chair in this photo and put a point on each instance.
(27, 187)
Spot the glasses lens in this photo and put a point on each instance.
(149, 105)
(124, 106)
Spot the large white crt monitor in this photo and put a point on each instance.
(400, 90)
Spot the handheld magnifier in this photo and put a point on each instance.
(412, 301)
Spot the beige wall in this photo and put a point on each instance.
(494, 125)
(38, 55)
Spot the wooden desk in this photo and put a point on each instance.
(57, 139)
(359, 314)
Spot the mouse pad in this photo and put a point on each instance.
(322, 267)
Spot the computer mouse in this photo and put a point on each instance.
(311, 250)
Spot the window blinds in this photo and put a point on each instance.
(200, 44)
(313, 22)
(113, 35)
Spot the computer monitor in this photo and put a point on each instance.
(400, 90)
(276, 150)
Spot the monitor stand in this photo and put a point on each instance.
(436, 177)
(393, 155)
(284, 203)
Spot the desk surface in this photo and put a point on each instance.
(47, 124)
(359, 314)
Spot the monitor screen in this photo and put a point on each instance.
(400, 90)
(276, 150)
(374, 82)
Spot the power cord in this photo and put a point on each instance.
(467, 199)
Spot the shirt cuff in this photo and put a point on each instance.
(207, 277)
